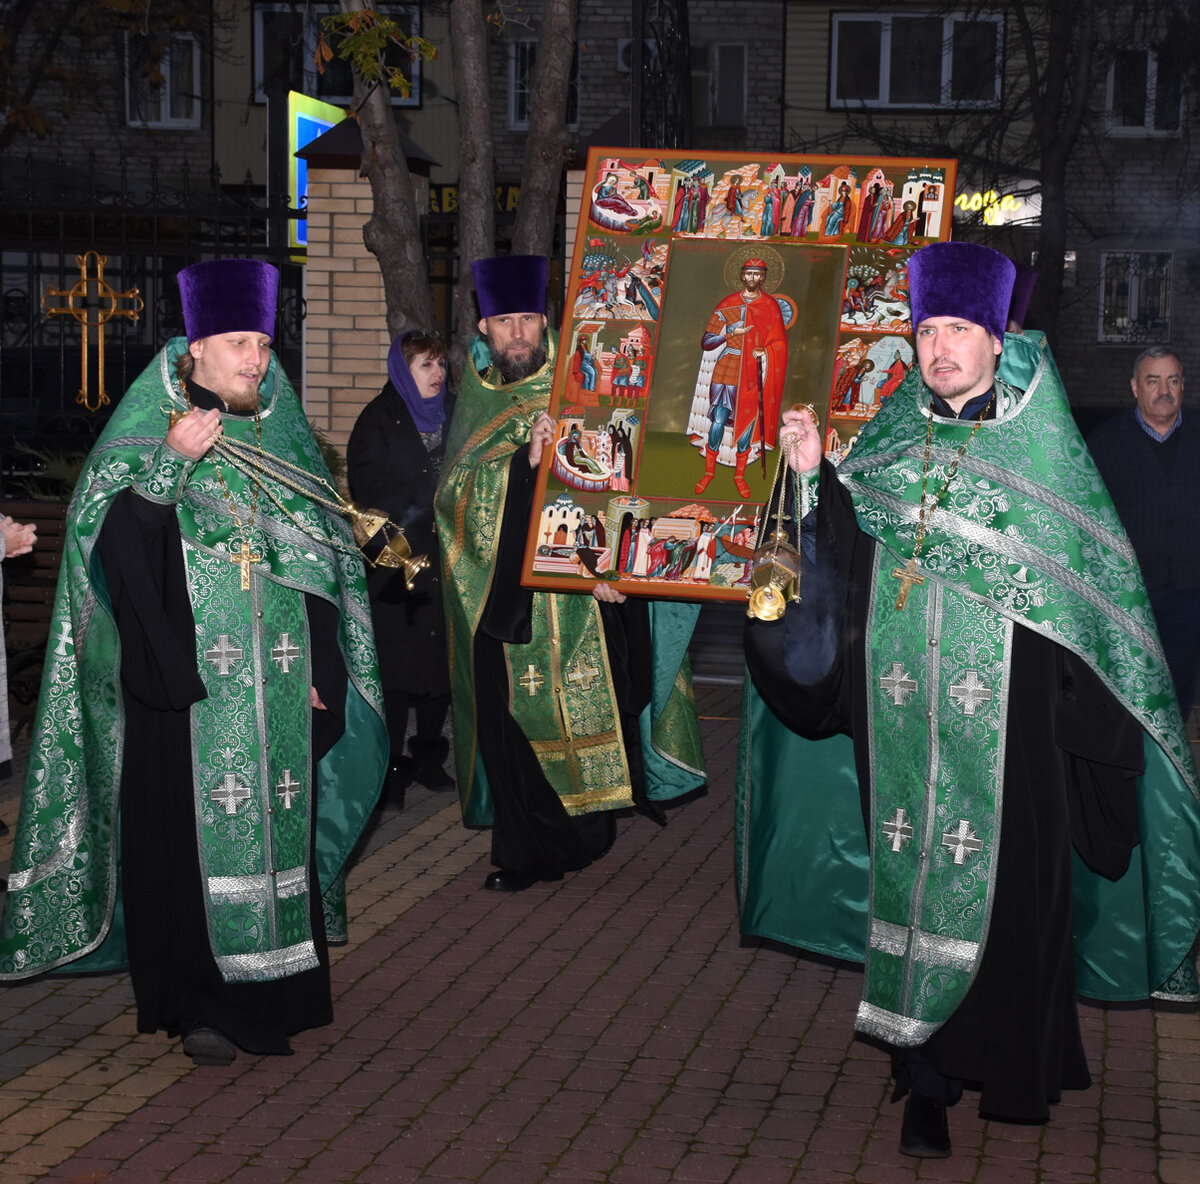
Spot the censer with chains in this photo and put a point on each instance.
(380, 541)
(775, 566)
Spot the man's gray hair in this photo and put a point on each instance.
(1156, 351)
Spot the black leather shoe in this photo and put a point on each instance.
(427, 758)
(207, 1046)
(925, 1131)
(507, 880)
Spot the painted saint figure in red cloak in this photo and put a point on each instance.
(735, 411)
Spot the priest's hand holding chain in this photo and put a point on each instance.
(800, 440)
(195, 433)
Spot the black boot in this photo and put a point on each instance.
(399, 778)
(925, 1131)
(428, 757)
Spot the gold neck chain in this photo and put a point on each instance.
(908, 574)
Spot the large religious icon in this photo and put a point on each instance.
(706, 295)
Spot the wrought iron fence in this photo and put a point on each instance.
(145, 226)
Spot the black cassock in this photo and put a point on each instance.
(1072, 759)
(531, 830)
(175, 978)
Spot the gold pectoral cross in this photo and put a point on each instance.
(243, 557)
(908, 576)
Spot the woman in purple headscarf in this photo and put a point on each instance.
(393, 461)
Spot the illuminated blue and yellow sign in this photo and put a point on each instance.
(307, 119)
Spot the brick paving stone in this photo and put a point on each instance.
(784, 1148)
(832, 1164)
(389, 1174)
(878, 1173)
(33, 1120)
(1067, 1164)
(513, 1171)
(1177, 1171)
(1070, 1142)
(255, 1174)
(624, 1174)
(707, 1167)
(1125, 1131)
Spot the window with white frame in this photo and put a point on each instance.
(162, 80)
(285, 49)
(1145, 94)
(718, 85)
(915, 60)
(521, 58)
(1135, 297)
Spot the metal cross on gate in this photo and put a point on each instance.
(93, 302)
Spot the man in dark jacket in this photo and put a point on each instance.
(1150, 460)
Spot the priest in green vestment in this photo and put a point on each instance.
(964, 763)
(567, 707)
(209, 740)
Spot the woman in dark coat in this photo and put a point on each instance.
(393, 460)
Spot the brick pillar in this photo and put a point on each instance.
(346, 334)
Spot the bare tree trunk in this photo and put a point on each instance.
(1060, 110)
(393, 232)
(476, 170)
(549, 143)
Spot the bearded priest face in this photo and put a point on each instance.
(232, 366)
(518, 343)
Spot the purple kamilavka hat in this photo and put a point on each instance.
(228, 296)
(961, 280)
(511, 283)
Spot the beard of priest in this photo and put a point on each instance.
(229, 365)
(517, 342)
